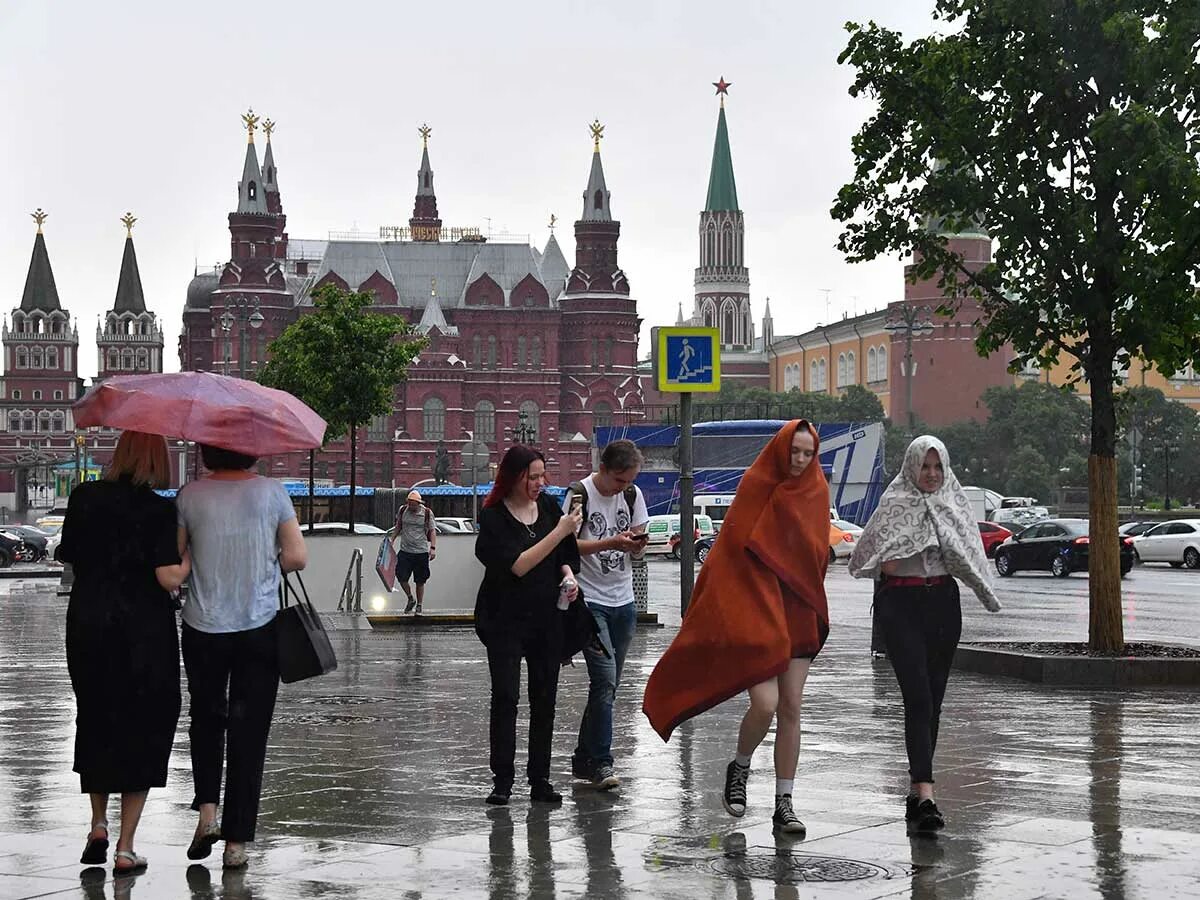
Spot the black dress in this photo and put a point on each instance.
(122, 641)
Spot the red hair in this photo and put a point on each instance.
(513, 466)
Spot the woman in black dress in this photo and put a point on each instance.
(527, 545)
(122, 646)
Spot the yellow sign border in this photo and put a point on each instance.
(667, 387)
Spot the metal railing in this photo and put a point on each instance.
(350, 600)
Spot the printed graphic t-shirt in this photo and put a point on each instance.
(607, 577)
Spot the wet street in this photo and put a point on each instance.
(377, 774)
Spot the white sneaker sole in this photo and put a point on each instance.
(736, 813)
(607, 784)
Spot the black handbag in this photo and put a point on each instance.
(303, 645)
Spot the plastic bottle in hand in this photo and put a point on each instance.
(564, 592)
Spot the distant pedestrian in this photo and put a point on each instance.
(418, 547)
(613, 532)
(527, 546)
(122, 645)
(758, 616)
(921, 537)
(242, 530)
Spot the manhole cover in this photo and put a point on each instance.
(794, 868)
(336, 700)
(323, 719)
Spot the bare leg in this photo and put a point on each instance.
(99, 814)
(787, 729)
(407, 590)
(764, 699)
(132, 805)
(420, 594)
(208, 815)
(923, 790)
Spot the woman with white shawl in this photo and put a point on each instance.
(921, 538)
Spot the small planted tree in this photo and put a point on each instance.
(345, 362)
(1071, 130)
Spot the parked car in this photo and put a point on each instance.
(34, 538)
(1133, 529)
(12, 548)
(662, 528)
(1058, 546)
(841, 544)
(454, 525)
(335, 527)
(993, 536)
(1176, 542)
(52, 521)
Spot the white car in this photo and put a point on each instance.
(851, 533)
(1176, 542)
(454, 525)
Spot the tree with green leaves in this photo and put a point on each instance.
(1167, 446)
(345, 362)
(1071, 130)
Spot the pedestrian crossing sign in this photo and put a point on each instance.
(688, 359)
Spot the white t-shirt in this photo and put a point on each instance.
(607, 577)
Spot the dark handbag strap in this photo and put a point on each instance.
(285, 588)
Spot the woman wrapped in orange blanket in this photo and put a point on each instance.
(758, 616)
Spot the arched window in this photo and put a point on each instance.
(532, 415)
(822, 375)
(601, 415)
(476, 352)
(485, 421)
(114, 359)
(28, 421)
(727, 325)
(143, 360)
(36, 358)
(491, 361)
(44, 420)
(881, 364)
(537, 351)
(252, 191)
(14, 417)
(51, 357)
(598, 202)
(710, 315)
(520, 351)
(871, 370)
(841, 378)
(812, 376)
(127, 359)
(851, 368)
(22, 358)
(16, 395)
(433, 419)
(57, 421)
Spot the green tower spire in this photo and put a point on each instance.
(722, 189)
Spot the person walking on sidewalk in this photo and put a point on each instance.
(418, 547)
(922, 536)
(122, 646)
(242, 530)
(614, 529)
(527, 546)
(758, 616)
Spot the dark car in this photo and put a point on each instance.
(10, 546)
(703, 546)
(993, 536)
(1135, 529)
(1058, 546)
(33, 538)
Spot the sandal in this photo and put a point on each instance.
(202, 842)
(96, 851)
(234, 858)
(133, 862)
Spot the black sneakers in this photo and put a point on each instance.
(733, 798)
(410, 606)
(544, 792)
(910, 807)
(926, 817)
(582, 768)
(785, 818)
(499, 796)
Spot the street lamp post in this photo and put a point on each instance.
(523, 433)
(1167, 448)
(247, 315)
(911, 321)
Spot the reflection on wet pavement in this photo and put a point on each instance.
(377, 773)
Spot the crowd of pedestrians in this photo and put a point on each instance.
(558, 581)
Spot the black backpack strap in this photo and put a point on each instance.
(631, 501)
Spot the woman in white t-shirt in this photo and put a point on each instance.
(241, 530)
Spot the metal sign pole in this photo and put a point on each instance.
(687, 549)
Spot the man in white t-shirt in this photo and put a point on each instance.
(614, 515)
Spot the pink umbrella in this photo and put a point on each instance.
(210, 409)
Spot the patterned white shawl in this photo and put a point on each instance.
(908, 521)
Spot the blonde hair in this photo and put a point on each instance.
(142, 457)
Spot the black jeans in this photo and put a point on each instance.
(232, 681)
(504, 664)
(921, 627)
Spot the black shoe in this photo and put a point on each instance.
(409, 607)
(733, 798)
(499, 796)
(544, 792)
(929, 817)
(785, 818)
(582, 768)
(911, 802)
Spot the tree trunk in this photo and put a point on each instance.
(353, 479)
(312, 455)
(1106, 632)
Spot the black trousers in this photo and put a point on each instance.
(504, 665)
(921, 627)
(232, 681)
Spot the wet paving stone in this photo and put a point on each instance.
(376, 776)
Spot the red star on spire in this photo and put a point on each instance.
(722, 86)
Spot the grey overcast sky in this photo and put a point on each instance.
(135, 106)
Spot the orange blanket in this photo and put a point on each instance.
(773, 549)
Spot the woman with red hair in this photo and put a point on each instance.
(527, 546)
(758, 616)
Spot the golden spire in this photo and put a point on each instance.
(424, 131)
(268, 126)
(39, 216)
(553, 219)
(251, 121)
(597, 133)
(127, 220)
